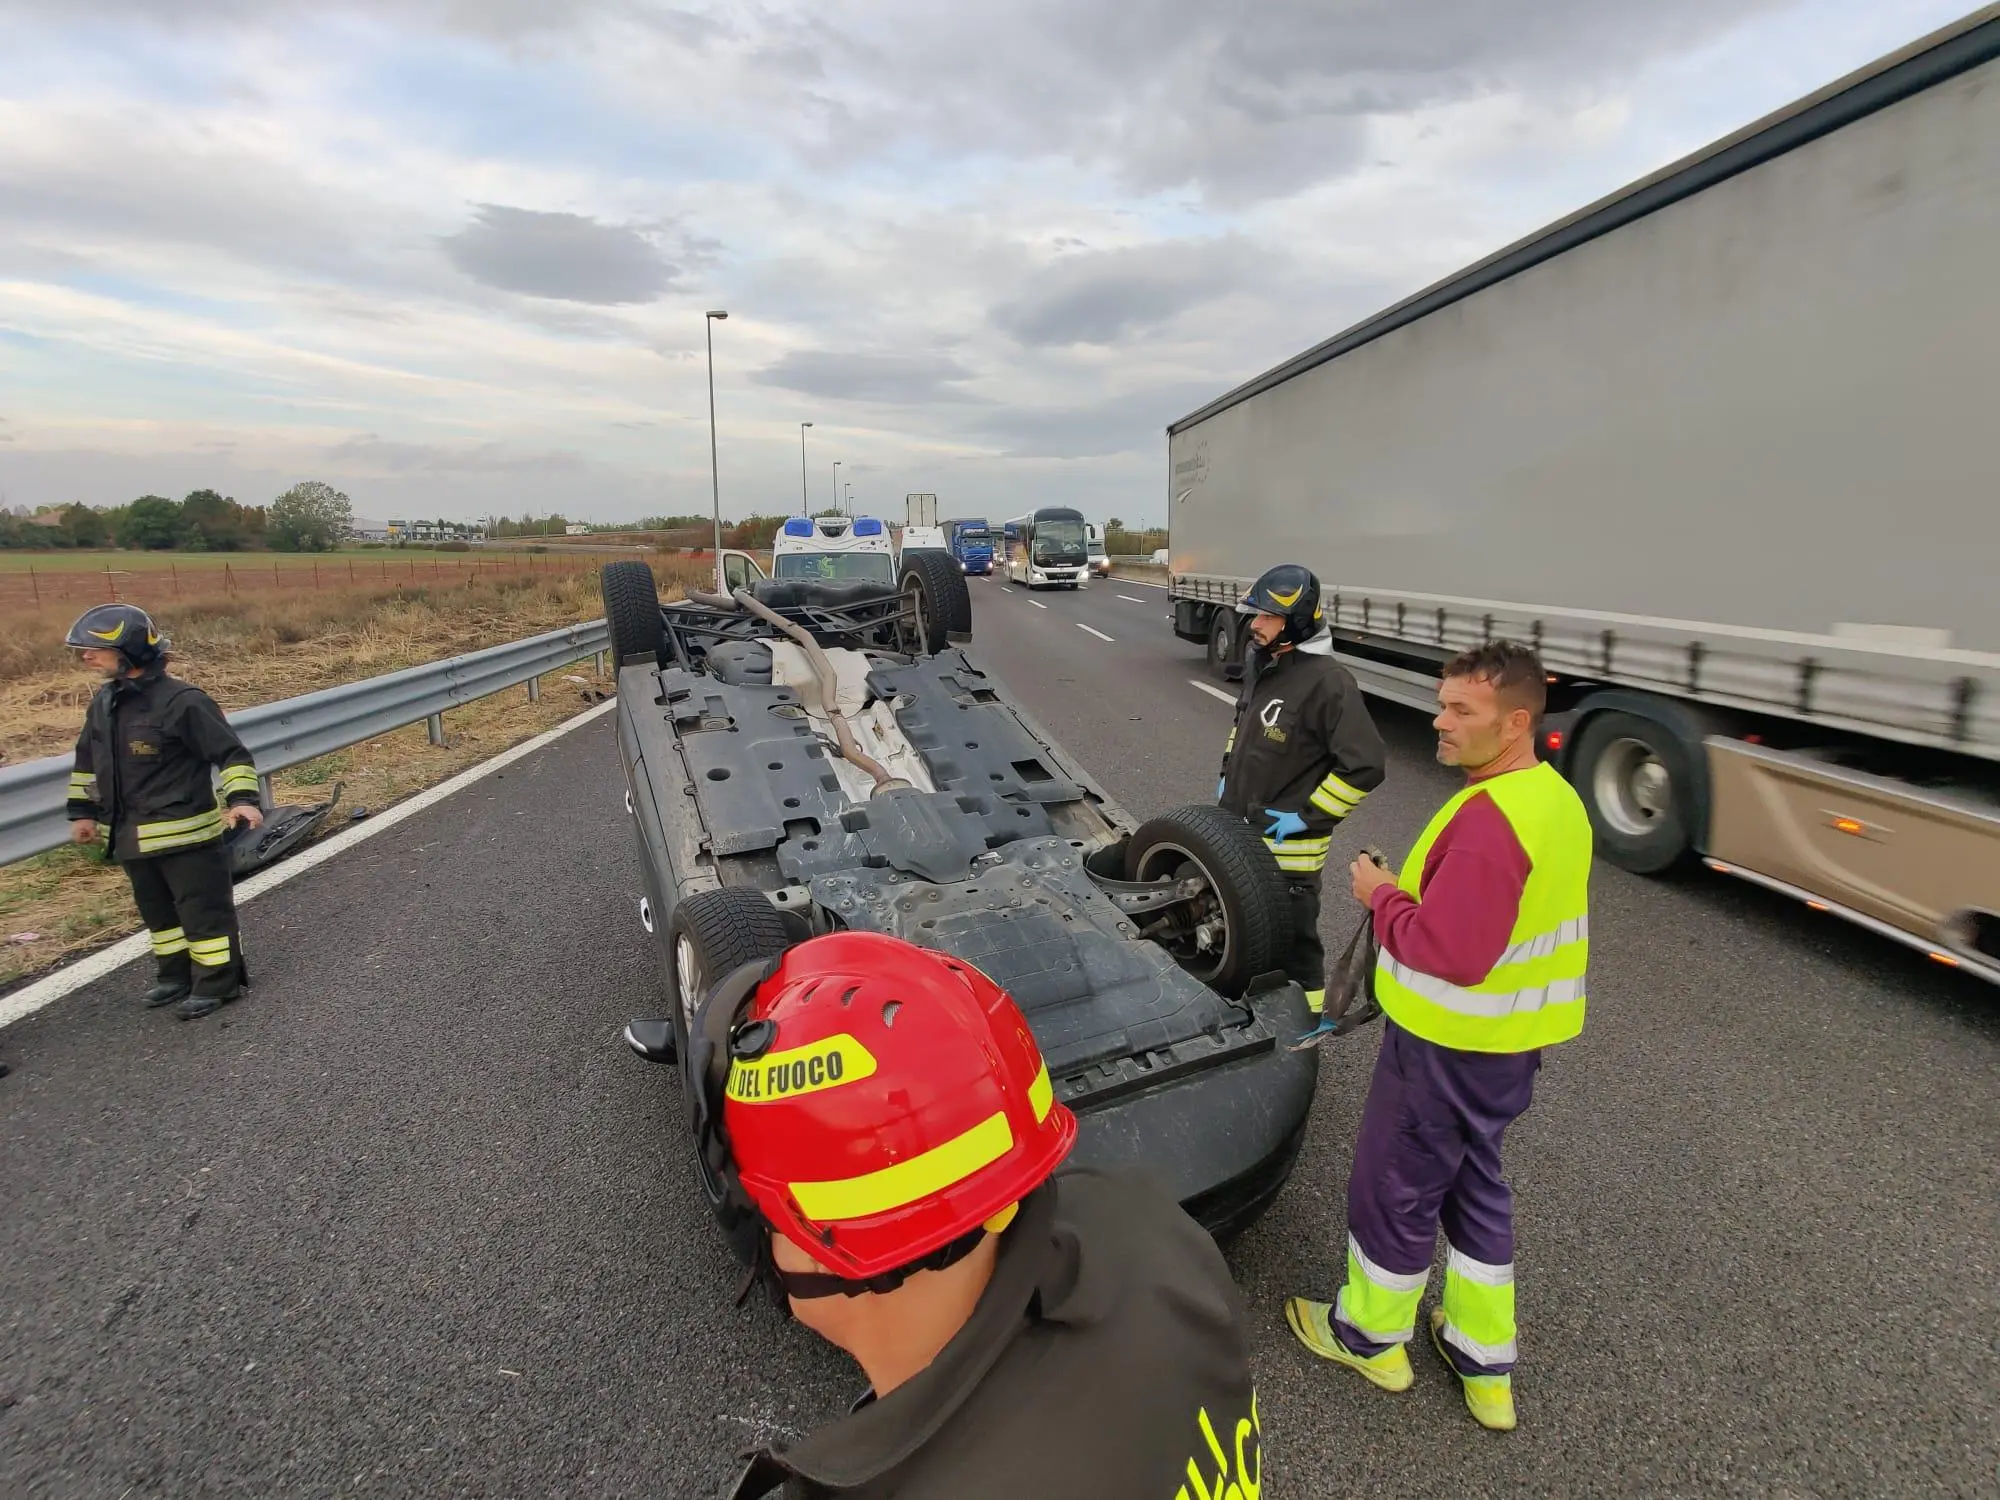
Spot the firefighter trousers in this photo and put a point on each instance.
(189, 907)
(1305, 960)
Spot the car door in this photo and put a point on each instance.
(740, 570)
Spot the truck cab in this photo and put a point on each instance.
(971, 544)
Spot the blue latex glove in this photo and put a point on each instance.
(1328, 1027)
(1220, 783)
(1283, 824)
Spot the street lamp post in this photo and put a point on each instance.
(849, 488)
(836, 484)
(805, 505)
(714, 467)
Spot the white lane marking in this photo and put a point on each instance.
(1130, 600)
(25, 1002)
(1213, 692)
(1094, 631)
(1005, 590)
(1038, 604)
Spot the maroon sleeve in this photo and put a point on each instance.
(1472, 884)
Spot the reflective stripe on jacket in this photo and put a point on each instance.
(1534, 995)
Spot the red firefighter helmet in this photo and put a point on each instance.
(885, 1100)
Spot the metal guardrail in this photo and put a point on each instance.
(295, 730)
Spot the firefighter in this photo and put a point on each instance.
(1302, 753)
(878, 1117)
(144, 772)
(1483, 943)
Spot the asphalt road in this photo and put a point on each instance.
(409, 1221)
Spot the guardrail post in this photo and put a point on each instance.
(265, 798)
(435, 723)
(534, 690)
(598, 659)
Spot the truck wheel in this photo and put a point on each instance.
(1633, 777)
(632, 612)
(944, 604)
(714, 933)
(1222, 640)
(1241, 926)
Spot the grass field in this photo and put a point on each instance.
(118, 560)
(279, 645)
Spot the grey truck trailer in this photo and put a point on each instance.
(1725, 447)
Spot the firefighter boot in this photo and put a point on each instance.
(1312, 1322)
(163, 992)
(1490, 1398)
(196, 1006)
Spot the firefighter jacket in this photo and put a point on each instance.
(1107, 1357)
(143, 765)
(1302, 753)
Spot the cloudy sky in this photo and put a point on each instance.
(453, 255)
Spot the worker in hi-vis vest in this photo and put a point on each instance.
(1483, 944)
(1302, 753)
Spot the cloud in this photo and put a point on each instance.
(901, 378)
(566, 256)
(1133, 422)
(1097, 297)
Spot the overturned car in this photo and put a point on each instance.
(805, 756)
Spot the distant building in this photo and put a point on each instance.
(574, 529)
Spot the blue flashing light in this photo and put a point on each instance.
(798, 526)
(867, 526)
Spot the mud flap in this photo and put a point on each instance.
(285, 829)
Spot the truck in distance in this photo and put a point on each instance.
(969, 540)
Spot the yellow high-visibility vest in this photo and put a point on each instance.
(1533, 997)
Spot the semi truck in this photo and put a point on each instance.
(1720, 448)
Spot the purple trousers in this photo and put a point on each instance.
(1428, 1157)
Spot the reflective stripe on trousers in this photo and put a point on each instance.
(1479, 1311)
(1378, 1304)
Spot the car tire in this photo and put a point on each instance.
(944, 603)
(1634, 778)
(1223, 640)
(632, 612)
(712, 934)
(1251, 891)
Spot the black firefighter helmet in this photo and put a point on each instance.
(1292, 592)
(124, 628)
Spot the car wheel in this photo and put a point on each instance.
(943, 602)
(1240, 924)
(1222, 640)
(711, 935)
(1633, 777)
(632, 612)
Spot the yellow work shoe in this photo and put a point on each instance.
(1313, 1323)
(1490, 1398)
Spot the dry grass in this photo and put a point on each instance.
(269, 649)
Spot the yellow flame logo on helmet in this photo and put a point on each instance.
(109, 635)
(1288, 600)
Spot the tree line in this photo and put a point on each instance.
(308, 517)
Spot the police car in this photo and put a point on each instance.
(811, 752)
